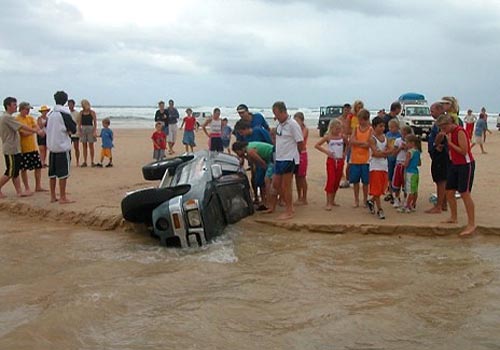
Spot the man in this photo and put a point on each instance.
(75, 138)
(256, 120)
(161, 115)
(438, 150)
(59, 127)
(394, 112)
(243, 129)
(173, 118)
(9, 133)
(30, 157)
(289, 142)
(460, 172)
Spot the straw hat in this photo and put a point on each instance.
(44, 108)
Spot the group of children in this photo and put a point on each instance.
(383, 162)
(219, 135)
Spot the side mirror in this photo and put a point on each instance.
(216, 171)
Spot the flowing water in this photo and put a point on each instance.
(69, 288)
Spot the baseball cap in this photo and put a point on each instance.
(242, 108)
(24, 105)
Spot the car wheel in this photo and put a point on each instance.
(138, 206)
(156, 170)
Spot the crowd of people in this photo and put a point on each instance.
(56, 130)
(379, 158)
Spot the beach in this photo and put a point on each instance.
(77, 276)
(98, 193)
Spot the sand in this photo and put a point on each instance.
(99, 191)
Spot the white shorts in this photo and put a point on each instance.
(479, 140)
(172, 133)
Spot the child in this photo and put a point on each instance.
(159, 142)
(226, 135)
(412, 163)
(189, 124)
(391, 136)
(398, 178)
(42, 140)
(360, 154)
(480, 132)
(215, 136)
(301, 170)
(378, 166)
(335, 161)
(107, 143)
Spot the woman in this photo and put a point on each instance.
(42, 140)
(460, 174)
(87, 128)
(470, 119)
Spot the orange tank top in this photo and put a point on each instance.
(361, 155)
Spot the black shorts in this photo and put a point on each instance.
(460, 177)
(31, 161)
(75, 138)
(41, 141)
(59, 165)
(282, 167)
(12, 164)
(216, 144)
(439, 166)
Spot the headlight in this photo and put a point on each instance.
(162, 224)
(193, 217)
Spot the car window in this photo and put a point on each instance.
(234, 201)
(189, 172)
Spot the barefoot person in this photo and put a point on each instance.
(460, 172)
(438, 151)
(9, 133)
(75, 138)
(60, 126)
(289, 144)
(30, 157)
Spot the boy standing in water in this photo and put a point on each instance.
(378, 166)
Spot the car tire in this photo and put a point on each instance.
(138, 206)
(156, 170)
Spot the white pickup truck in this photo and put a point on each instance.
(415, 112)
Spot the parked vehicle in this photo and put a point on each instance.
(498, 122)
(202, 114)
(325, 115)
(416, 113)
(198, 196)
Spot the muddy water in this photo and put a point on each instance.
(70, 288)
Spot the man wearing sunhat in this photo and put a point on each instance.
(30, 157)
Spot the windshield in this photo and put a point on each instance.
(418, 111)
(189, 173)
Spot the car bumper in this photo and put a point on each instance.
(170, 223)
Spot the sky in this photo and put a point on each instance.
(226, 52)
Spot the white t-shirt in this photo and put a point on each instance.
(401, 156)
(336, 147)
(288, 134)
(58, 139)
(379, 163)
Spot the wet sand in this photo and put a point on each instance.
(98, 193)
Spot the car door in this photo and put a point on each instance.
(234, 194)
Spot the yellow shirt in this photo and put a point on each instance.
(28, 143)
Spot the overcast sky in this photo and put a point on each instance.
(226, 52)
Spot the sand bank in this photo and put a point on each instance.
(98, 193)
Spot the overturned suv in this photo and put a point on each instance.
(198, 196)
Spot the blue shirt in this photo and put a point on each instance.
(259, 134)
(414, 161)
(107, 138)
(432, 138)
(226, 132)
(391, 137)
(258, 120)
(481, 127)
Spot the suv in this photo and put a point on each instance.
(498, 122)
(325, 115)
(415, 112)
(199, 195)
